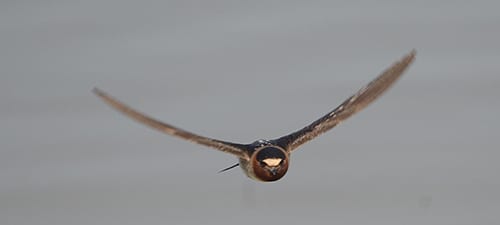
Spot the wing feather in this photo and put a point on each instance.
(238, 150)
(350, 106)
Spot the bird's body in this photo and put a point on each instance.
(268, 160)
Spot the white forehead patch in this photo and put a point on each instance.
(272, 161)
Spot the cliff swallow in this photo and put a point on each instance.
(268, 160)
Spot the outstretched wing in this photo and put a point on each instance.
(232, 148)
(350, 106)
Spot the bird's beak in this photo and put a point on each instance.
(273, 170)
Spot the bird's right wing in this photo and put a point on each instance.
(238, 150)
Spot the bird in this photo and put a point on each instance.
(268, 160)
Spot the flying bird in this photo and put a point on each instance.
(268, 160)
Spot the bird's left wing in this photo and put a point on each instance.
(350, 106)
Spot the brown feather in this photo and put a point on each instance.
(232, 148)
(353, 104)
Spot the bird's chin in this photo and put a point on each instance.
(269, 175)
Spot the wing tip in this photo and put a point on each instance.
(400, 66)
(408, 58)
(98, 91)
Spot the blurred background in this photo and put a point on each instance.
(426, 153)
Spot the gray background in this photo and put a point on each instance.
(426, 153)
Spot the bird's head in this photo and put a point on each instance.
(270, 163)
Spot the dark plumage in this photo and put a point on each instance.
(268, 160)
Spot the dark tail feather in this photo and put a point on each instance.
(226, 169)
